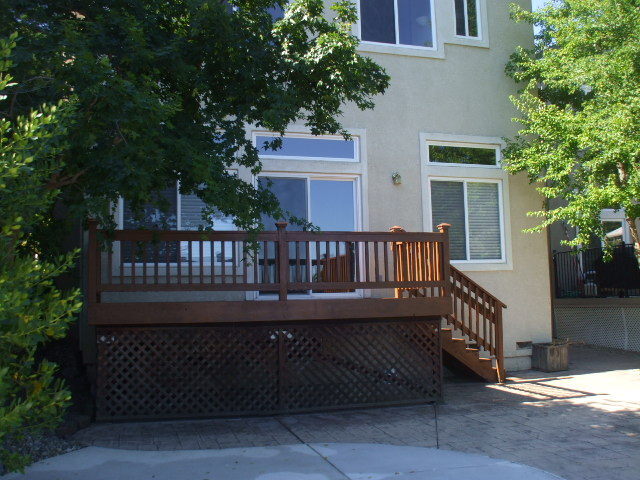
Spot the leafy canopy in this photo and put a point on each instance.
(580, 136)
(166, 89)
(32, 310)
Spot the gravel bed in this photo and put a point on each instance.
(39, 447)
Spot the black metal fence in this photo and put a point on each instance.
(588, 274)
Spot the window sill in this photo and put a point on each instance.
(403, 50)
(464, 266)
(468, 42)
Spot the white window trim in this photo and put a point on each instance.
(358, 223)
(366, 45)
(466, 21)
(356, 147)
(453, 172)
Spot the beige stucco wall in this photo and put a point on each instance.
(464, 93)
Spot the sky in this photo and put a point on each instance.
(536, 3)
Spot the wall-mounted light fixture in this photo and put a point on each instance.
(396, 178)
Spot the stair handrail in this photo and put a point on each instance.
(487, 329)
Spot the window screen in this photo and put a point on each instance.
(478, 203)
(447, 206)
(484, 221)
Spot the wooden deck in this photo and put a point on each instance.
(283, 321)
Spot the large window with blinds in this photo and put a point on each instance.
(473, 207)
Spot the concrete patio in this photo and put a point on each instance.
(580, 424)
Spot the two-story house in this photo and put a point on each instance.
(182, 323)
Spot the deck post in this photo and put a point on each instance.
(398, 259)
(92, 262)
(283, 260)
(499, 345)
(443, 228)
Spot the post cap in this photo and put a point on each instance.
(281, 225)
(443, 227)
(397, 229)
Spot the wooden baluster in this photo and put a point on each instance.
(167, 265)
(179, 254)
(475, 295)
(367, 273)
(212, 262)
(485, 320)
(201, 254)
(328, 268)
(318, 279)
(376, 260)
(234, 260)
(385, 252)
(492, 344)
(297, 273)
(245, 266)
(223, 253)
(283, 260)
(308, 261)
(265, 263)
(256, 269)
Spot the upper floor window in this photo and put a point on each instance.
(467, 18)
(402, 22)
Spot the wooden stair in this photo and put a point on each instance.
(470, 357)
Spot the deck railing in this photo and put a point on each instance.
(478, 315)
(279, 262)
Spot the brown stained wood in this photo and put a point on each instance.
(234, 260)
(167, 313)
(223, 269)
(183, 371)
(201, 262)
(367, 267)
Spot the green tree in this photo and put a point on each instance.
(580, 136)
(166, 90)
(32, 310)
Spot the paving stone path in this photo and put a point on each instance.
(582, 424)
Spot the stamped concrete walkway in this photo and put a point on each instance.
(582, 424)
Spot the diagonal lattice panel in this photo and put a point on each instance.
(156, 372)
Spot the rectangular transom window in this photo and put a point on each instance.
(473, 208)
(401, 22)
(463, 155)
(466, 18)
(308, 147)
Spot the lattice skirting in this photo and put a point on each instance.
(605, 326)
(194, 371)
